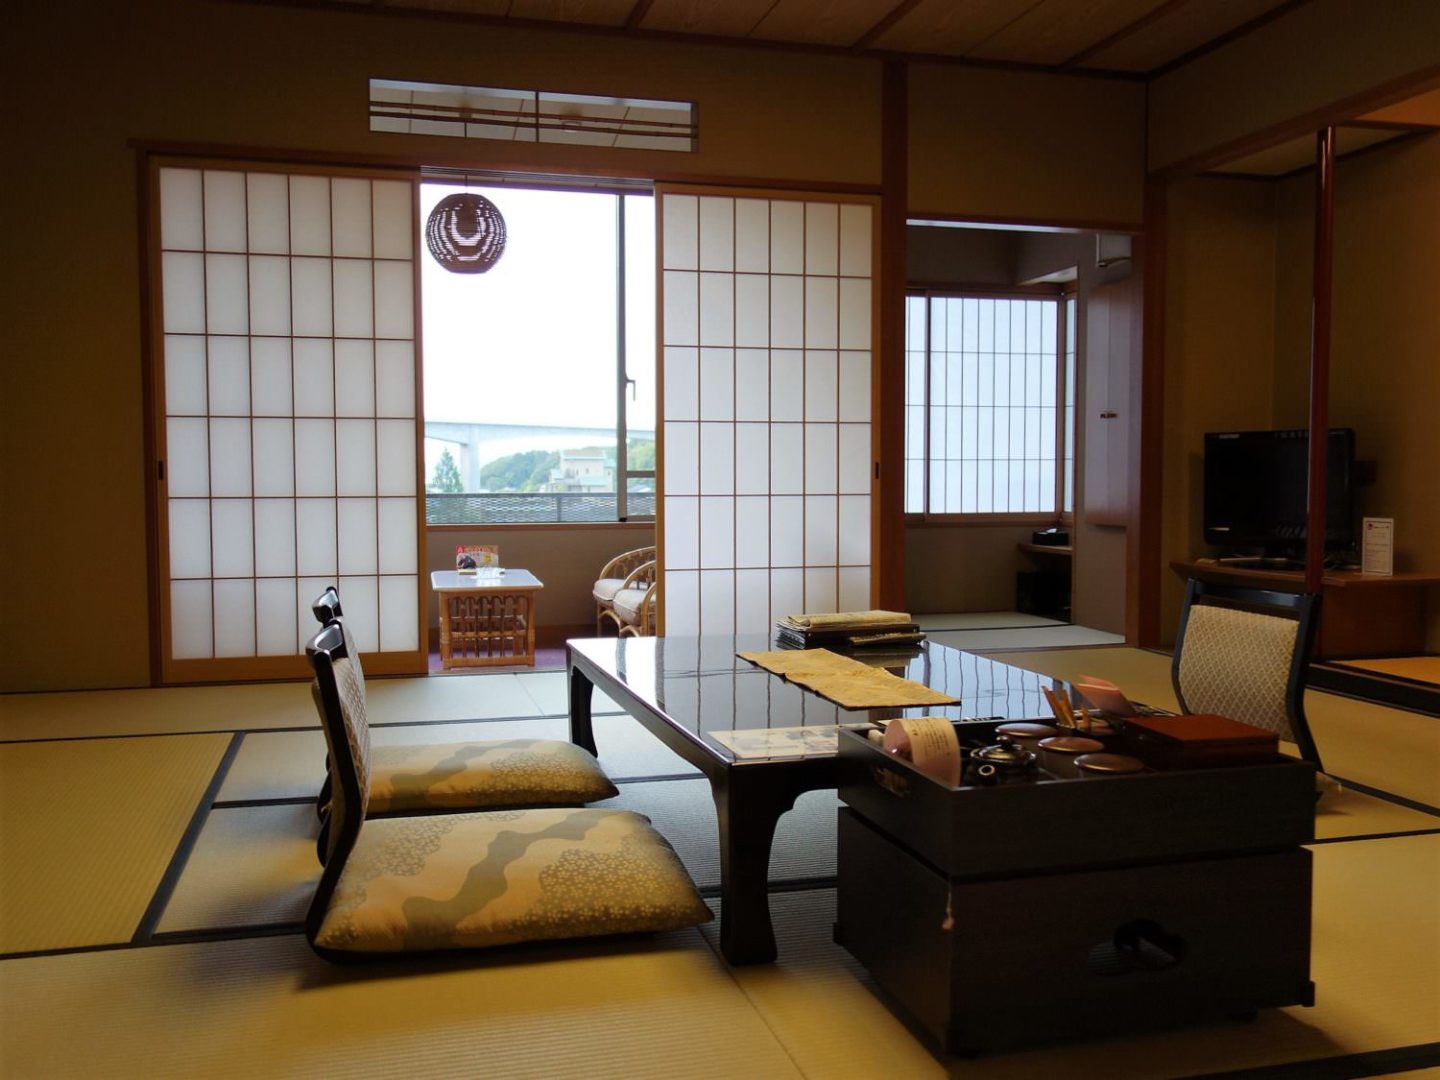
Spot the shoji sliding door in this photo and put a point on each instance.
(767, 462)
(286, 416)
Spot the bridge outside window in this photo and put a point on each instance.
(540, 373)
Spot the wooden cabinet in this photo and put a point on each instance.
(1112, 365)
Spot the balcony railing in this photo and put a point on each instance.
(536, 507)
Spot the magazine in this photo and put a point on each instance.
(470, 558)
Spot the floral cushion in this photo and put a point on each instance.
(477, 775)
(474, 880)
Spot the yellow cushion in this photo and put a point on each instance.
(478, 775)
(452, 881)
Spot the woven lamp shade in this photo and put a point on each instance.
(465, 233)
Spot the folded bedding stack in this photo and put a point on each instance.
(848, 630)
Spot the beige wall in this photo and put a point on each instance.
(963, 568)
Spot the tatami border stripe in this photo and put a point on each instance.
(1373, 836)
(1398, 800)
(1372, 1063)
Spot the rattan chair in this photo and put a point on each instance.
(463, 881)
(614, 577)
(1242, 653)
(633, 608)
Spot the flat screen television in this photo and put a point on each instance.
(1255, 490)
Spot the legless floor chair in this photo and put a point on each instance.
(466, 881)
(457, 776)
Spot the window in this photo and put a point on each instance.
(982, 425)
(539, 373)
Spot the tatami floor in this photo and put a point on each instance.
(156, 858)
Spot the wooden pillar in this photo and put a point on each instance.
(889, 557)
(1147, 439)
(1320, 357)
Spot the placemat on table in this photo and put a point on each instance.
(848, 683)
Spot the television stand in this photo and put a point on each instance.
(1260, 562)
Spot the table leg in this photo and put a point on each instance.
(445, 631)
(582, 732)
(748, 807)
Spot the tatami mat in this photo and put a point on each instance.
(87, 830)
(1347, 813)
(1419, 668)
(550, 690)
(660, 1008)
(1375, 962)
(1025, 637)
(982, 620)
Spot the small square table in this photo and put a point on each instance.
(486, 618)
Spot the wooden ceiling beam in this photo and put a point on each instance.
(1151, 17)
(889, 19)
(638, 13)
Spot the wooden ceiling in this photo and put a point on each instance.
(1136, 38)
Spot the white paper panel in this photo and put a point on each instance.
(359, 540)
(820, 459)
(752, 384)
(310, 303)
(187, 457)
(268, 199)
(787, 530)
(181, 210)
(270, 377)
(787, 237)
(273, 447)
(717, 234)
(314, 457)
(275, 616)
(399, 614)
(682, 383)
(820, 313)
(315, 538)
(185, 374)
(820, 589)
(229, 458)
(314, 378)
(682, 308)
(822, 238)
(189, 538)
(787, 592)
(232, 530)
(355, 462)
(350, 216)
(821, 389)
(224, 211)
(362, 611)
(854, 470)
(717, 602)
(854, 548)
(717, 532)
(752, 531)
(395, 447)
(752, 459)
(395, 378)
(717, 384)
(855, 386)
(854, 313)
(183, 282)
(787, 300)
(787, 463)
(752, 235)
(397, 536)
(682, 532)
(395, 300)
(235, 618)
(269, 294)
(275, 538)
(354, 298)
(354, 378)
(752, 602)
(717, 309)
(682, 458)
(854, 589)
(395, 221)
(191, 626)
(229, 376)
(855, 232)
(820, 529)
(309, 215)
(682, 232)
(227, 296)
(752, 310)
(717, 459)
(787, 384)
(306, 589)
(681, 597)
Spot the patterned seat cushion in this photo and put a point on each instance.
(606, 588)
(628, 602)
(475, 880)
(478, 775)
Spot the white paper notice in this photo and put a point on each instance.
(780, 742)
(1377, 546)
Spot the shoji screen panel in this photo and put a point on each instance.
(768, 323)
(287, 417)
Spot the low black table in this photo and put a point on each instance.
(686, 690)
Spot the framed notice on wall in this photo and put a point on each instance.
(1377, 546)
